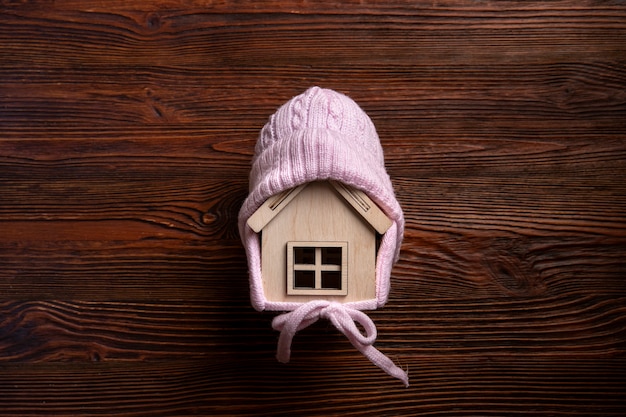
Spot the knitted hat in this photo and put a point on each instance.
(323, 135)
(320, 135)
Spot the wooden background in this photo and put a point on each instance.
(126, 134)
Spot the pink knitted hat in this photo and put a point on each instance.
(322, 135)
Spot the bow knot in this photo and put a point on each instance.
(344, 319)
(331, 308)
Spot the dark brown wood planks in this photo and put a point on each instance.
(126, 133)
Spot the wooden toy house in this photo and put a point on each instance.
(318, 241)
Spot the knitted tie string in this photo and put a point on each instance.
(344, 319)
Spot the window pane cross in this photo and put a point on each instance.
(317, 268)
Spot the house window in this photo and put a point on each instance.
(317, 268)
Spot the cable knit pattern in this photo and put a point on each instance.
(320, 135)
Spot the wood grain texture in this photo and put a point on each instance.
(558, 387)
(126, 134)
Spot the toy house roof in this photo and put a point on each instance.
(357, 199)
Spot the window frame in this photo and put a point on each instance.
(317, 267)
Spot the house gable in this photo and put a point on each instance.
(317, 213)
